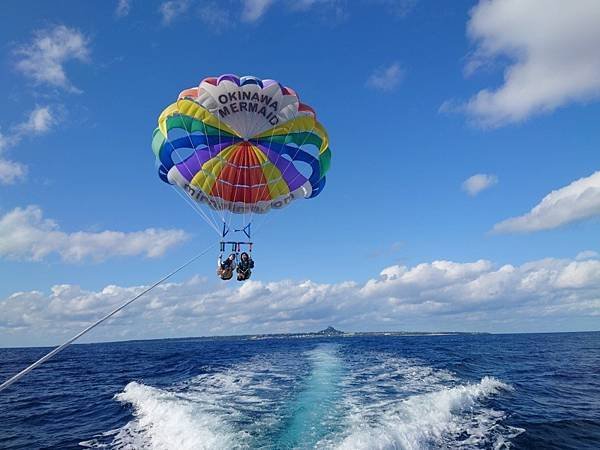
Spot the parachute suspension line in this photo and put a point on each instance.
(227, 227)
(297, 150)
(270, 217)
(61, 347)
(210, 210)
(291, 161)
(196, 208)
(220, 208)
(244, 213)
(236, 245)
(209, 222)
(238, 172)
(247, 191)
(247, 230)
(247, 216)
(265, 188)
(262, 190)
(214, 221)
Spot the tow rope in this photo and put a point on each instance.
(61, 347)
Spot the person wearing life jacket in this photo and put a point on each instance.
(243, 268)
(225, 268)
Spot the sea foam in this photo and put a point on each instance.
(448, 417)
(322, 398)
(165, 421)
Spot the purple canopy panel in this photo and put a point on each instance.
(290, 174)
(193, 164)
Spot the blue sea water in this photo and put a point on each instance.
(523, 391)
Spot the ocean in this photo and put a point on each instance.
(521, 391)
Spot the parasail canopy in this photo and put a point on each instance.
(242, 145)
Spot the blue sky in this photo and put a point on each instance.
(417, 96)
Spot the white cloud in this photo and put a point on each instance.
(226, 14)
(40, 120)
(4, 141)
(477, 296)
(26, 235)
(172, 9)
(587, 254)
(45, 57)
(222, 15)
(386, 78)
(577, 201)
(478, 182)
(43, 60)
(253, 10)
(338, 8)
(215, 16)
(11, 171)
(123, 8)
(305, 5)
(552, 46)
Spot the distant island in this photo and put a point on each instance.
(329, 332)
(333, 332)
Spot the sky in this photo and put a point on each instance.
(464, 191)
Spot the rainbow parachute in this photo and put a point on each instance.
(242, 145)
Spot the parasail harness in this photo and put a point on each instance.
(237, 246)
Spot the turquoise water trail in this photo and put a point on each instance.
(314, 413)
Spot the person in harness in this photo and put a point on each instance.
(225, 268)
(243, 268)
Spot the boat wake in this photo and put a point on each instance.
(322, 398)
